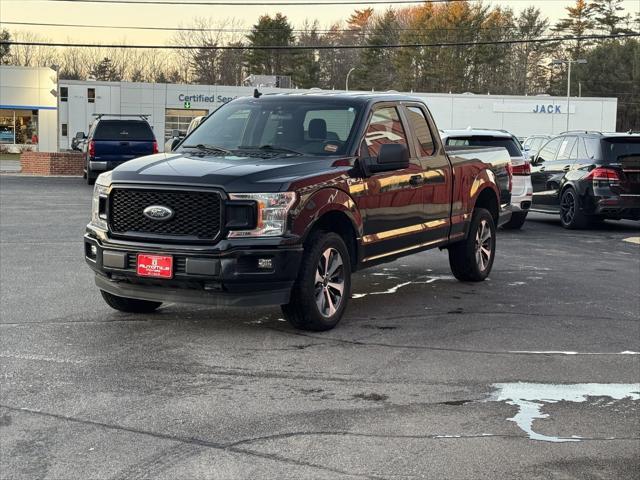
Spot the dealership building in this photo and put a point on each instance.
(30, 106)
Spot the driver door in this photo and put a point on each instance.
(392, 203)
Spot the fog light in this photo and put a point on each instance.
(265, 263)
(94, 251)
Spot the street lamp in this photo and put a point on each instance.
(580, 61)
(346, 86)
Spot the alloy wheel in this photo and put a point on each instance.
(329, 282)
(484, 241)
(567, 207)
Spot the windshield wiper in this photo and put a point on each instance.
(206, 146)
(272, 148)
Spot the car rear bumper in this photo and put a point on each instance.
(522, 193)
(618, 207)
(231, 278)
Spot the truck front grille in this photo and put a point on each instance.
(196, 214)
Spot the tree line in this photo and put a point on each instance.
(612, 68)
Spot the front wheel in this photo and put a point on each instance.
(321, 292)
(129, 305)
(516, 222)
(472, 258)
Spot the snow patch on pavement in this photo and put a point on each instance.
(531, 397)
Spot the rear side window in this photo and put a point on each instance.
(133, 130)
(422, 131)
(487, 141)
(565, 148)
(619, 150)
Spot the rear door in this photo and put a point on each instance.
(122, 140)
(541, 173)
(437, 179)
(392, 204)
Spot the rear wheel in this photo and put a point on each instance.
(90, 176)
(129, 305)
(323, 287)
(471, 259)
(571, 214)
(516, 222)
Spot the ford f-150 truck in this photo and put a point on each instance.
(277, 200)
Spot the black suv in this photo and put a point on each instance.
(587, 177)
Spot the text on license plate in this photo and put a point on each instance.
(158, 266)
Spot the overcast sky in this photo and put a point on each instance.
(178, 15)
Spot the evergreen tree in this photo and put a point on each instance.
(270, 31)
(579, 22)
(5, 49)
(307, 68)
(607, 15)
(378, 62)
(104, 70)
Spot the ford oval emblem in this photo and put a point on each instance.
(158, 212)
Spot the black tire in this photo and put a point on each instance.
(129, 305)
(470, 263)
(516, 222)
(571, 215)
(316, 304)
(91, 179)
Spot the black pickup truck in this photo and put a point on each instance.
(277, 200)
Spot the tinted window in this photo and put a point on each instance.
(385, 127)
(616, 150)
(487, 141)
(336, 123)
(134, 130)
(566, 146)
(64, 94)
(91, 95)
(549, 151)
(422, 131)
(580, 150)
(593, 147)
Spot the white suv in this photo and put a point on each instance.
(522, 191)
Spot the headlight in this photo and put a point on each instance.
(271, 213)
(99, 201)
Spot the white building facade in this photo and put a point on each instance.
(31, 114)
(28, 109)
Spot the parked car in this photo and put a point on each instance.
(522, 190)
(78, 141)
(532, 144)
(113, 141)
(586, 177)
(277, 200)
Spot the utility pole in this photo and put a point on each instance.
(346, 86)
(580, 61)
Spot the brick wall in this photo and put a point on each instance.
(52, 163)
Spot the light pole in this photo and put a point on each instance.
(346, 86)
(57, 70)
(580, 61)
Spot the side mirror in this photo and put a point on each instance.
(174, 143)
(79, 135)
(392, 156)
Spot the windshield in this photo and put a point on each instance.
(616, 150)
(300, 126)
(486, 141)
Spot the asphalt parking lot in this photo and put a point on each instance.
(425, 377)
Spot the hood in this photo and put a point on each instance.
(229, 172)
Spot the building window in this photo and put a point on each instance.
(64, 94)
(64, 130)
(91, 95)
(19, 127)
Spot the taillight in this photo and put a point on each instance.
(92, 149)
(522, 170)
(155, 146)
(510, 173)
(601, 176)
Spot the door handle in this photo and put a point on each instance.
(416, 180)
(566, 168)
(542, 169)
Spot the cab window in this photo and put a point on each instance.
(385, 127)
(421, 129)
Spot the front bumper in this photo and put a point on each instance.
(203, 275)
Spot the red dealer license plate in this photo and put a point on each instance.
(157, 266)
